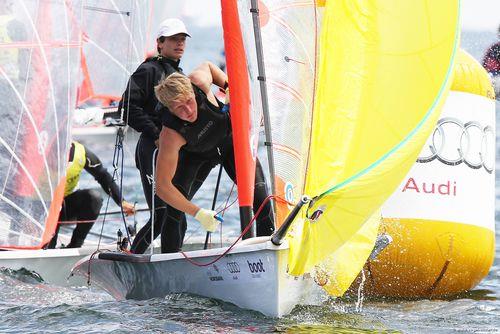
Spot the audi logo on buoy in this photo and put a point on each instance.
(256, 267)
(454, 142)
(233, 267)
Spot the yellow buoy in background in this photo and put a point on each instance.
(442, 216)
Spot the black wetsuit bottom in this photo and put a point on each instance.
(192, 170)
(81, 205)
(144, 162)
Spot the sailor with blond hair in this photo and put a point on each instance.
(196, 136)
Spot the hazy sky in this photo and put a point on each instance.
(480, 14)
(476, 14)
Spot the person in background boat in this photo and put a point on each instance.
(14, 59)
(13, 64)
(491, 59)
(138, 105)
(491, 62)
(196, 136)
(85, 204)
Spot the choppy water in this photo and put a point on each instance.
(30, 306)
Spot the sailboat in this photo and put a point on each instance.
(100, 88)
(39, 79)
(348, 91)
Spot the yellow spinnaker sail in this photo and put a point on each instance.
(383, 75)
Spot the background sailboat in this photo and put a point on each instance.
(39, 74)
(322, 94)
(122, 49)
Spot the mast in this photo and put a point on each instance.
(263, 93)
(240, 120)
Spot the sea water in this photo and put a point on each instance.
(28, 305)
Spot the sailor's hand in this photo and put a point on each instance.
(225, 108)
(128, 208)
(207, 219)
(226, 98)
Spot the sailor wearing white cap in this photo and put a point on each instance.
(171, 27)
(139, 109)
(171, 39)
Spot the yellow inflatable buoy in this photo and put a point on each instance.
(441, 218)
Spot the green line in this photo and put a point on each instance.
(412, 133)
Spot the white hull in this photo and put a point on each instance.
(53, 265)
(251, 276)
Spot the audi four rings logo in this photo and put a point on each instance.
(454, 142)
(233, 267)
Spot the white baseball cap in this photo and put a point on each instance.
(171, 27)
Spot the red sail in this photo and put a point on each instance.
(240, 102)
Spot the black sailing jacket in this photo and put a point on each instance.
(139, 101)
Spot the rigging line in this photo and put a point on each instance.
(102, 225)
(24, 213)
(148, 27)
(28, 175)
(126, 104)
(247, 228)
(214, 200)
(222, 209)
(116, 159)
(69, 108)
(105, 236)
(88, 221)
(118, 144)
(51, 84)
(30, 117)
(127, 30)
(141, 37)
(120, 175)
(106, 10)
(110, 56)
(132, 42)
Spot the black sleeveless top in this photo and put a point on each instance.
(209, 130)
